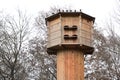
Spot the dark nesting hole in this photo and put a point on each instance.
(66, 27)
(74, 36)
(74, 27)
(70, 37)
(66, 36)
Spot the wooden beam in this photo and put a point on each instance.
(70, 65)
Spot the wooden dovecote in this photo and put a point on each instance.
(69, 29)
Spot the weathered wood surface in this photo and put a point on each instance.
(70, 21)
(56, 31)
(70, 65)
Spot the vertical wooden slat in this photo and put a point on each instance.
(70, 65)
(60, 66)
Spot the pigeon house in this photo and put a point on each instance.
(70, 35)
(70, 28)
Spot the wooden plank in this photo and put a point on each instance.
(53, 22)
(85, 41)
(55, 27)
(60, 66)
(85, 34)
(54, 42)
(70, 21)
(87, 22)
(86, 27)
(55, 35)
(70, 65)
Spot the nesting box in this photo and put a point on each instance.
(70, 30)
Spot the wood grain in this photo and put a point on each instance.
(70, 65)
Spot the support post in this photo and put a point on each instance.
(70, 65)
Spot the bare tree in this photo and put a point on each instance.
(47, 68)
(13, 34)
(46, 63)
(104, 64)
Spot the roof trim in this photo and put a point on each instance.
(57, 15)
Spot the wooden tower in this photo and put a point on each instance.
(70, 37)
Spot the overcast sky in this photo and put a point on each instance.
(96, 8)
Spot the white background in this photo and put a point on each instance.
(100, 9)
